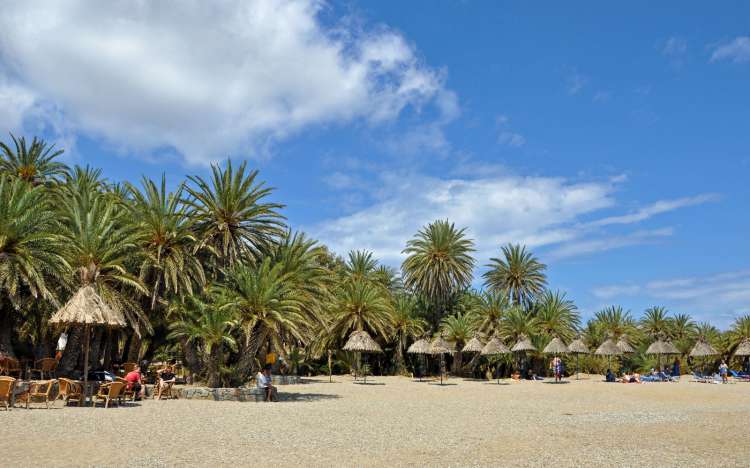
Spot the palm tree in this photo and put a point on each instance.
(739, 331)
(519, 274)
(557, 316)
(457, 329)
(361, 265)
(438, 263)
(406, 325)
(210, 328)
(488, 314)
(362, 305)
(29, 251)
(164, 234)
(232, 220)
(267, 305)
(656, 322)
(516, 322)
(682, 330)
(35, 164)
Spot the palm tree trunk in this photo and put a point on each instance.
(6, 332)
(400, 363)
(134, 350)
(192, 360)
(214, 361)
(69, 360)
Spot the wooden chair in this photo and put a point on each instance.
(9, 366)
(128, 367)
(39, 391)
(70, 390)
(108, 392)
(42, 366)
(164, 391)
(7, 384)
(127, 393)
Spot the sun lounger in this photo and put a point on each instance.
(740, 376)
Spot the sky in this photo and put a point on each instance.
(612, 140)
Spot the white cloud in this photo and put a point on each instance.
(150, 75)
(716, 297)
(515, 140)
(15, 102)
(602, 96)
(674, 46)
(589, 246)
(659, 207)
(574, 82)
(737, 50)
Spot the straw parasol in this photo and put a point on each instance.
(556, 346)
(660, 347)
(361, 342)
(624, 345)
(473, 346)
(609, 349)
(703, 349)
(494, 347)
(743, 349)
(523, 344)
(578, 347)
(421, 347)
(441, 347)
(87, 308)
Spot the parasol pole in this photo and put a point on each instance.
(578, 367)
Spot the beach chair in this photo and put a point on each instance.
(38, 392)
(7, 384)
(70, 390)
(739, 376)
(108, 392)
(44, 366)
(10, 366)
(126, 393)
(163, 392)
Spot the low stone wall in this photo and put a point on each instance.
(285, 379)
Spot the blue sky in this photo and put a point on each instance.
(613, 140)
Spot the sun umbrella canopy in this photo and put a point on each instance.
(662, 347)
(362, 342)
(556, 346)
(473, 346)
(493, 347)
(440, 346)
(419, 347)
(624, 345)
(743, 349)
(86, 307)
(523, 344)
(608, 348)
(702, 348)
(577, 346)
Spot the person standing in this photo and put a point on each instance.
(723, 372)
(676, 368)
(62, 342)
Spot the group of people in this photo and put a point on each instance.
(264, 382)
(136, 383)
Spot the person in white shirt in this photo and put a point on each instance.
(263, 380)
(62, 342)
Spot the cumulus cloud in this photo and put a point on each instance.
(717, 297)
(736, 50)
(150, 75)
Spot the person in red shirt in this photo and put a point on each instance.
(135, 381)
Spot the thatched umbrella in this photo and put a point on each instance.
(702, 349)
(494, 347)
(473, 346)
(624, 345)
(578, 347)
(660, 347)
(522, 345)
(609, 349)
(556, 346)
(361, 342)
(421, 347)
(441, 347)
(743, 349)
(87, 308)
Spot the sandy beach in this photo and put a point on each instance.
(395, 421)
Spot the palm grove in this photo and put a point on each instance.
(211, 274)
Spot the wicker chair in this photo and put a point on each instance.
(42, 366)
(108, 392)
(7, 384)
(70, 390)
(40, 392)
(9, 366)
(127, 393)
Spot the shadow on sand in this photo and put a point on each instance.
(298, 396)
(552, 382)
(368, 383)
(444, 384)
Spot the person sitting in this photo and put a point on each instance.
(167, 378)
(610, 377)
(135, 382)
(263, 380)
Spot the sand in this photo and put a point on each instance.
(396, 422)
